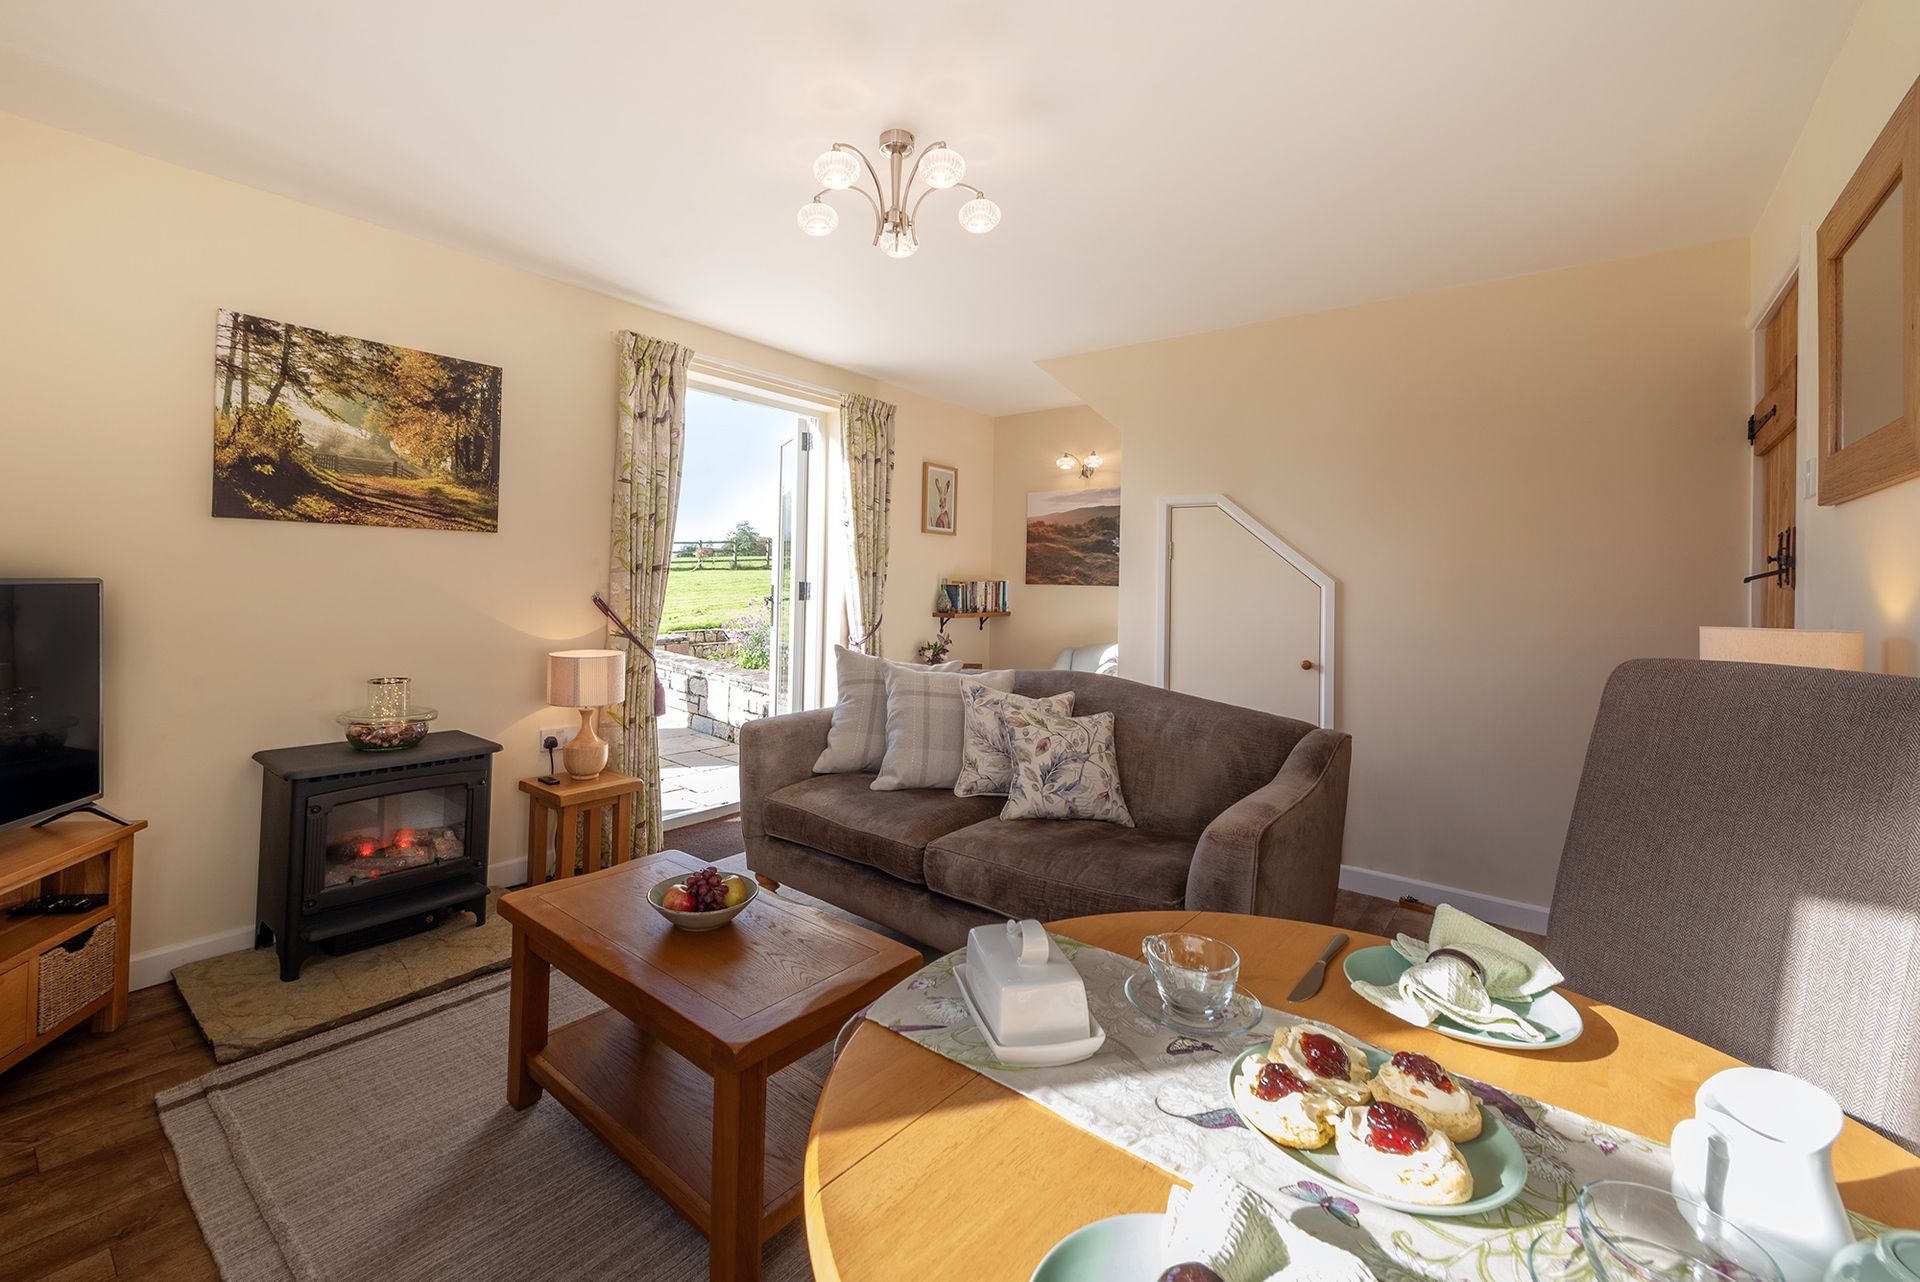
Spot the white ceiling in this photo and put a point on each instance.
(1164, 168)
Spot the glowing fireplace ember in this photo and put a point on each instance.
(368, 854)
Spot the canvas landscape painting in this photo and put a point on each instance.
(1073, 537)
(313, 426)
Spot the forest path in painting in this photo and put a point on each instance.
(303, 491)
(313, 426)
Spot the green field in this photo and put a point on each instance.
(710, 598)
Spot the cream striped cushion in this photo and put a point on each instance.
(926, 720)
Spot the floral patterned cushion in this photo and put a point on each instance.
(1065, 768)
(986, 763)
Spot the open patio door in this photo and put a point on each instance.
(792, 591)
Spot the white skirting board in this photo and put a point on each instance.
(157, 965)
(144, 970)
(1488, 908)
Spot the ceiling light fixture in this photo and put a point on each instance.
(894, 229)
(1088, 465)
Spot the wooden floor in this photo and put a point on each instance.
(88, 1187)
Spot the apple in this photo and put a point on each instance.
(737, 891)
(677, 900)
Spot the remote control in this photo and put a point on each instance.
(61, 904)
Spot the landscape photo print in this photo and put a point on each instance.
(1073, 537)
(314, 426)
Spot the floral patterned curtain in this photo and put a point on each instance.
(646, 494)
(866, 439)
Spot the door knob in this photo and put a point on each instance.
(1306, 665)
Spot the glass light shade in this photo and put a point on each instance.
(942, 167)
(1066, 462)
(818, 218)
(1094, 459)
(979, 215)
(836, 169)
(898, 243)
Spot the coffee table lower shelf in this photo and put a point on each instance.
(654, 1109)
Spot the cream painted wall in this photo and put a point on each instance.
(1516, 486)
(1047, 618)
(227, 636)
(1859, 563)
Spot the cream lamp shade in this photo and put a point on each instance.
(585, 678)
(1793, 647)
(588, 680)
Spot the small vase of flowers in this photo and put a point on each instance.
(935, 651)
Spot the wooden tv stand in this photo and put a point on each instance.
(69, 856)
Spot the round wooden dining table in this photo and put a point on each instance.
(918, 1167)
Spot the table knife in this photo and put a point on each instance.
(1317, 973)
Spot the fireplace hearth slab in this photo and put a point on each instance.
(243, 1008)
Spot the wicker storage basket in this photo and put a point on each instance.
(69, 980)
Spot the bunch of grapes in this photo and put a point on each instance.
(709, 889)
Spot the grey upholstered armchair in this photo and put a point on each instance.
(1743, 866)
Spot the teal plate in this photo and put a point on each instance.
(1499, 1167)
(1121, 1249)
(1551, 1012)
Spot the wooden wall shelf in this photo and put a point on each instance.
(947, 616)
(69, 856)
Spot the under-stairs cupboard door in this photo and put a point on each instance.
(1243, 624)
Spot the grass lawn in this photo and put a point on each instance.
(709, 598)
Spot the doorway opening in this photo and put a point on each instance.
(739, 630)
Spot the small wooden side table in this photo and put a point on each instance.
(562, 807)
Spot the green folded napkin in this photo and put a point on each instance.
(1483, 967)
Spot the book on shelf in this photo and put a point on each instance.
(971, 596)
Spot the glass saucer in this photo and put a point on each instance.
(1242, 1013)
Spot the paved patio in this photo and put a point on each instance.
(699, 772)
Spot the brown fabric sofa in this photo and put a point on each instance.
(1743, 866)
(1237, 811)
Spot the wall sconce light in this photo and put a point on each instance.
(1088, 466)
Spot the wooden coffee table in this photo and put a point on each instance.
(696, 1025)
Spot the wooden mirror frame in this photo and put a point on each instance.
(1889, 454)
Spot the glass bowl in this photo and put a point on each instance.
(390, 721)
(1641, 1233)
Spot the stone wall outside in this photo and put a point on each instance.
(717, 699)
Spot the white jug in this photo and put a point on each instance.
(1759, 1151)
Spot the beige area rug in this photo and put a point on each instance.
(386, 1150)
(243, 1008)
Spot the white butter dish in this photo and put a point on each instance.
(1022, 989)
(1071, 1051)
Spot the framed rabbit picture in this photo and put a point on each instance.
(939, 498)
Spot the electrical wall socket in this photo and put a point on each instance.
(564, 734)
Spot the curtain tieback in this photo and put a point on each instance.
(861, 644)
(659, 690)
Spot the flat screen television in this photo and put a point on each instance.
(49, 697)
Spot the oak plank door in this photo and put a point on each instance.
(1243, 625)
(1775, 449)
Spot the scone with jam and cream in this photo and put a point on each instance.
(1279, 1103)
(1387, 1149)
(1432, 1094)
(1325, 1059)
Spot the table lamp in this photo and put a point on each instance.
(588, 680)
(1795, 647)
